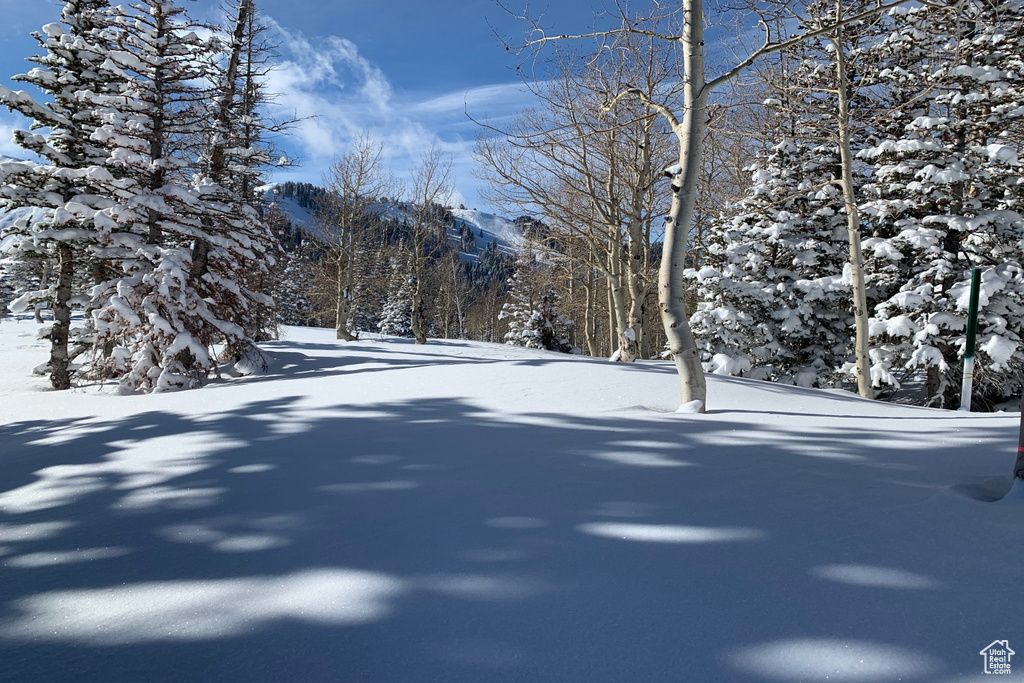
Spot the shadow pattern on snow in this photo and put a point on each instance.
(429, 541)
(306, 360)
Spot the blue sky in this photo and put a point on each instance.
(405, 70)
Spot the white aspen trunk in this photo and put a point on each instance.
(345, 283)
(648, 350)
(690, 132)
(623, 337)
(613, 337)
(637, 287)
(418, 324)
(636, 264)
(589, 320)
(860, 306)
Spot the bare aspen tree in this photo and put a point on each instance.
(688, 123)
(348, 213)
(432, 186)
(592, 174)
(455, 294)
(860, 306)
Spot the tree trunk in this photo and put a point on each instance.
(638, 245)
(589, 319)
(622, 336)
(218, 153)
(613, 337)
(343, 310)
(60, 375)
(200, 260)
(418, 324)
(647, 349)
(156, 140)
(690, 132)
(635, 315)
(860, 306)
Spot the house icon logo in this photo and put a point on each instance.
(997, 657)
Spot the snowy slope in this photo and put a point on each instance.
(379, 511)
(8, 218)
(299, 215)
(486, 227)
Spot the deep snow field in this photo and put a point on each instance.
(378, 511)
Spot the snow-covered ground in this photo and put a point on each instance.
(378, 511)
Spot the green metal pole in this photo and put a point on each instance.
(1018, 467)
(972, 329)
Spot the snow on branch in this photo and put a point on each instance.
(771, 47)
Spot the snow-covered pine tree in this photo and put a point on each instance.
(22, 280)
(68, 186)
(250, 152)
(905, 67)
(248, 156)
(18, 277)
(808, 215)
(774, 302)
(294, 305)
(372, 285)
(396, 318)
(947, 198)
(834, 85)
(235, 240)
(534, 320)
(159, 328)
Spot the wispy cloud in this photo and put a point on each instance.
(477, 101)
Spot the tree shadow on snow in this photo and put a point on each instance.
(428, 541)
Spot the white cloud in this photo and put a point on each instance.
(336, 93)
(7, 146)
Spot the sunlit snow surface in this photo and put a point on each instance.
(379, 511)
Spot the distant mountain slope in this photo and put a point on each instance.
(488, 227)
(298, 214)
(484, 227)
